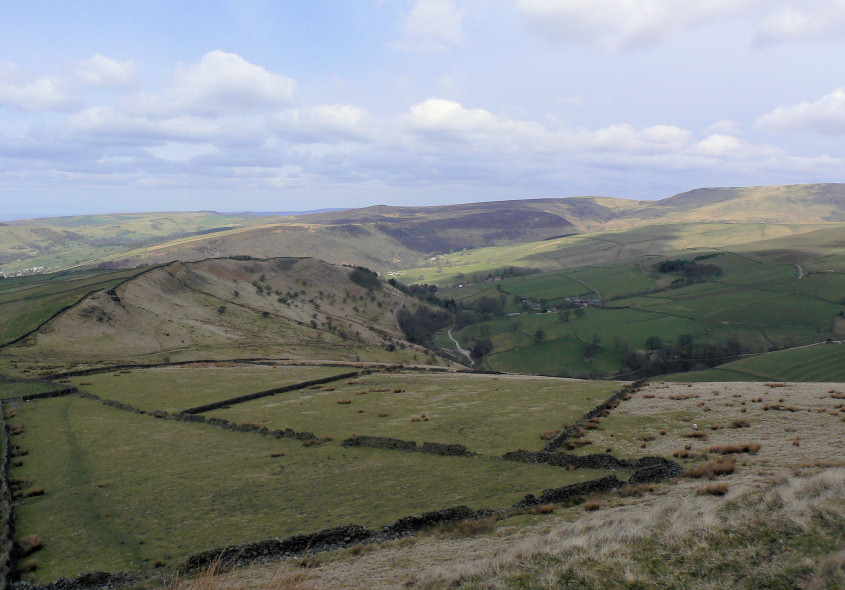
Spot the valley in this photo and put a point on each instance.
(250, 401)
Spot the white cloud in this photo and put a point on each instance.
(121, 129)
(627, 24)
(433, 25)
(623, 137)
(825, 116)
(813, 20)
(618, 24)
(106, 72)
(447, 120)
(20, 92)
(224, 82)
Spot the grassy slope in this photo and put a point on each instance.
(602, 247)
(127, 490)
(825, 362)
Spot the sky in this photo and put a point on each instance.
(119, 106)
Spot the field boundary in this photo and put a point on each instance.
(607, 405)
(410, 446)
(268, 392)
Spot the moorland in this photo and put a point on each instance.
(589, 391)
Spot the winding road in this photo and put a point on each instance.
(463, 351)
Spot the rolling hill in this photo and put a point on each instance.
(293, 308)
(394, 238)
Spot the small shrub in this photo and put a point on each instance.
(277, 454)
(28, 566)
(549, 434)
(795, 442)
(608, 450)
(740, 423)
(696, 434)
(344, 402)
(360, 411)
(591, 505)
(383, 415)
(713, 489)
(663, 432)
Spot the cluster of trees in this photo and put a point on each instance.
(692, 271)
(421, 325)
(686, 355)
(365, 277)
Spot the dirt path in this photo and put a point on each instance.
(463, 351)
(395, 311)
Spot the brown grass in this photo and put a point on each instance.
(591, 505)
(549, 434)
(696, 434)
(28, 545)
(344, 402)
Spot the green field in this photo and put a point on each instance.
(174, 389)
(124, 490)
(487, 414)
(825, 362)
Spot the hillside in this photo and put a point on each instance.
(223, 308)
(394, 238)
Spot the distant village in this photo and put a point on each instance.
(35, 270)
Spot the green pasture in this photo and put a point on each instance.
(824, 362)
(174, 389)
(124, 490)
(760, 303)
(487, 414)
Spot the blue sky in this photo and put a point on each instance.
(276, 106)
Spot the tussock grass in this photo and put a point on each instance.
(713, 469)
(786, 535)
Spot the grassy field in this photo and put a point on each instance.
(488, 414)
(174, 389)
(124, 490)
(27, 302)
(825, 362)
